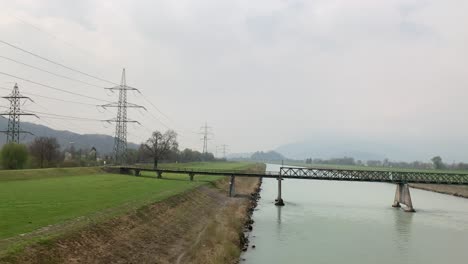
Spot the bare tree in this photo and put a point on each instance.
(159, 145)
(45, 150)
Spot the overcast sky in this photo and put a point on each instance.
(262, 73)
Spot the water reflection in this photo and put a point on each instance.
(343, 222)
(402, 223)
(278, 210)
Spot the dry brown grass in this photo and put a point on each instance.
(220, 242)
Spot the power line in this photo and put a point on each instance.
(68, 117)
(68, 124)
(51, 35)
(53, 98)
(157, 119)
(68, 78)
(72, 79)
(167, 117)
(155, 107)
(54, 88)
(60, 116)
(53, 62)
(49, 72)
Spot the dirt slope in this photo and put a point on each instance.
(200, 226)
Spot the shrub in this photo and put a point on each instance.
(14, 156)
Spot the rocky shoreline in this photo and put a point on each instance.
(253, 202)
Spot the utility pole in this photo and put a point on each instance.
(13, 132)
(120, 138)
(205, 131)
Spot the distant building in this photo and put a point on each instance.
(68, 156)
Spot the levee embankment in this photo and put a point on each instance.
(460, 191)
(201, 225)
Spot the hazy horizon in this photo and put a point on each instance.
(354, 74)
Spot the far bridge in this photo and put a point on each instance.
(399, 177)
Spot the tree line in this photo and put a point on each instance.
(164, 147)
(435, 163)
(46, 152)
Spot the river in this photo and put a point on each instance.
(353, 222)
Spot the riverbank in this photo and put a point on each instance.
(201, 225)
(455, 190)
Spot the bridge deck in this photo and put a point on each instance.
(390, 176)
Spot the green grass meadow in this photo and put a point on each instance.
(31, 199)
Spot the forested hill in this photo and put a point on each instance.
(103, 143)
(269, 155)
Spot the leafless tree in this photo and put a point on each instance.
(159, 145)
(45, 150)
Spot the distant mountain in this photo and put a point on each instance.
(103, 143)
(243, 155)
(269, 155)
(327, 149)
(333, 146)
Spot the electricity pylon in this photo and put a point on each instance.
(120, 138)
(205, 132)
(13, 131)
(224, 149)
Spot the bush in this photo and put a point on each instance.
(14, 156)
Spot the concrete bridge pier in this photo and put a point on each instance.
(191, 176)
(159, 174)
(279, 201)
(403, 196)
(137, 173)
(232, 187)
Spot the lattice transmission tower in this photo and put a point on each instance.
(205, 131)
(13, 131)
(224, 149)
(120, 138)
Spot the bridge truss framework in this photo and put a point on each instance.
(399, 177)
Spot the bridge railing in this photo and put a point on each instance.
(376, 175)
(214, 171)
(204, 171)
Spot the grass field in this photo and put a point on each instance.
(32, 199)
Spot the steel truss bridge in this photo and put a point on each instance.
(391, 176)
(400, 177)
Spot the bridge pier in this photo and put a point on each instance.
(124, 171)
(159, 174)
(232, 188)
(191, 176)
(279, 201)
(137, 173)
(402, 195)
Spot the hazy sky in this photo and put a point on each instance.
(261, 72)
